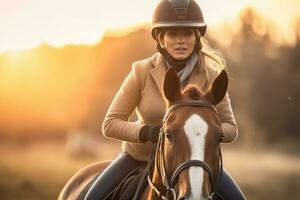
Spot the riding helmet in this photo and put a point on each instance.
(177, 13)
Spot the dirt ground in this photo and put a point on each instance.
(39, 170)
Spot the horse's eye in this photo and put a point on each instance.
(168, 134)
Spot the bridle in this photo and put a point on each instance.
(170, 183)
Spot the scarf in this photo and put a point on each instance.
(185, 71)
(187, 65)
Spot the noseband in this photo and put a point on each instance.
(170, 183)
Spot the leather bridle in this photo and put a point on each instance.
(170, 183)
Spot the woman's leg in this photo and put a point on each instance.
(228, 189)
(112, 176)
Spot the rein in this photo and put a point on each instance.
(169, 183)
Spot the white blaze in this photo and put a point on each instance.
(196, 129)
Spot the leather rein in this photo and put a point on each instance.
(170, 183)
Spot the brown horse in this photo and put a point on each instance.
(187, 160)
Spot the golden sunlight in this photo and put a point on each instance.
(45, 84)
(61, 22)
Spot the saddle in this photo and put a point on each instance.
(131, 187)
(127, 189)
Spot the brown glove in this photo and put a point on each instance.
(149, 133)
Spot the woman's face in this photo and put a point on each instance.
(179, 43)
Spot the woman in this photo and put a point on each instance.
(178, 28)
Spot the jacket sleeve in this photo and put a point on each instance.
(229, 125)
(116, 124)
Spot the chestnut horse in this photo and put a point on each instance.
(188, 161)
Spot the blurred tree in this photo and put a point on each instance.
(266, 82)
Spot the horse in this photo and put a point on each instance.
(188, 160)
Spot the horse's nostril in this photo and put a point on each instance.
(182, 198)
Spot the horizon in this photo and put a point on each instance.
(60, 23)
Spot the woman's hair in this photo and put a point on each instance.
(160, 36)
(212, 53)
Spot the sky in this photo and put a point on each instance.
(28, 23)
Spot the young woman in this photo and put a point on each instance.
(178, 28)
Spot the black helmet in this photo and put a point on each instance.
(177, 13)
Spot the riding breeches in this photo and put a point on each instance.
(124, 164)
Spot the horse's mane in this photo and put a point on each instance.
(192, 92)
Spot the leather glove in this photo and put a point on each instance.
(149, 133)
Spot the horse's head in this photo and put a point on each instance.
(189, 148)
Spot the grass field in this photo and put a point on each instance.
(39, 170)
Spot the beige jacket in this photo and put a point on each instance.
(143, 90)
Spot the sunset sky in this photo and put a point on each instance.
(28, 23)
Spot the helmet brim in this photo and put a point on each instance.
(178, 24)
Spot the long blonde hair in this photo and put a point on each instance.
(213, 54)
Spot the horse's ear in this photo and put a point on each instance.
(172, 86)
(218, 89)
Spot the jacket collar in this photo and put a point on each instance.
(198, 77)
(159, 71)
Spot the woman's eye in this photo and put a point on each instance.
(171, 33)
(188, 33)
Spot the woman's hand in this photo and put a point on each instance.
(149, 133)
(229, 132)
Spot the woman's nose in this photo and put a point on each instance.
(180, 39)
(180, 42)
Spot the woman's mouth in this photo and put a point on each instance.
(180, 49)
